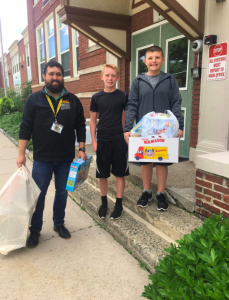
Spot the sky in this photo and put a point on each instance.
(13, 14)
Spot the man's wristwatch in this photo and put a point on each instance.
(82, 149)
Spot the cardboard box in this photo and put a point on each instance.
(78, 173)
(151, 149)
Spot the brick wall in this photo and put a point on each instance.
(22, 61)
(142, 19)
(195, 105)
(1, 76)
(10, 71)
(212, 194)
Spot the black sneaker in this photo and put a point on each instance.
(33, 239)
(145, 198)
(102, 211)
(116, 213)
(162, 202)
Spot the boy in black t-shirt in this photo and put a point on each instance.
(110, 148)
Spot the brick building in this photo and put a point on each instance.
(84, 35)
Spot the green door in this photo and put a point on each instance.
(179, 60)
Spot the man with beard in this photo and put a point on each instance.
(51, 116)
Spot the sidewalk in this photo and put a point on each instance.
(89, 266)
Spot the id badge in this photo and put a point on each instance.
(57, 127)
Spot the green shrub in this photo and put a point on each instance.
(197, 268)
(11, 124)
(6, 106)
(18, 104)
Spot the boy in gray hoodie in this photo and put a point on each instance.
(153, 91)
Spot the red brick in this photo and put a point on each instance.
(212, 208)
(203, 197)
(213, 194)
(199, 202)
(193, 145)
(195, 117)
(221, 189)
(198, 188)
(226, 198)
(214, 179)
(195, 122)
(194, 135)
(225, 214)
(196, 93)
(199, 174)
(196, 98)
(221, 204)
(203, 183)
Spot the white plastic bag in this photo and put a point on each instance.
(160, 125)
(18, 200)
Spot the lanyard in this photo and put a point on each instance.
(51, 105)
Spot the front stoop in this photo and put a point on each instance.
(145, 232)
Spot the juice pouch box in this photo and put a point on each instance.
(78, 173)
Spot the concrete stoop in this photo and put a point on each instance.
(145, 232)
(175, 222)
(142, 242)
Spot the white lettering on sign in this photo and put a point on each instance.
(217, 62)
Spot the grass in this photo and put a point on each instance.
(142, 265)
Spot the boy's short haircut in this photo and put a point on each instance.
(110, 66)
(153, 49)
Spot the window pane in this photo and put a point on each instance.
(65, 63)
(29, 73)
(177, 60)
(141, 65)
(52, 46)
(42, 52)
(28, 62)
(64, 39)
(77, 58)
(40, 36)
(53, 59)
(41, 68)
(77, 38)
(50, 27)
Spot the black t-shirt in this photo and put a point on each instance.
(110, 107)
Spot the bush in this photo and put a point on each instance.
(6, 106)
(18, 104)
(11, 124)
(197, 269)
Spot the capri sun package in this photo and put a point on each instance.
(78, 173)
(154, 139)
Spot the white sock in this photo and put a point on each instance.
(148, 191)
(158, 193)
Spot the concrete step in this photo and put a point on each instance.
(140, 238)
(175, 222)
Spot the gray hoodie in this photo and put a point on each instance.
(144, 99)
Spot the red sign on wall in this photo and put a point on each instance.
(217, 62)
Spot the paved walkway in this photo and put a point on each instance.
(89, 266)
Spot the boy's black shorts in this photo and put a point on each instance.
(112, 156)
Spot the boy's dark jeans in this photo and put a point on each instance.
(42, 175)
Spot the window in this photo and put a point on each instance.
(75, 50)
(177, 60)
(140, 56)
(50, 41)
(63, 46)
(40, 51)
(16, 70)
(28, 63)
